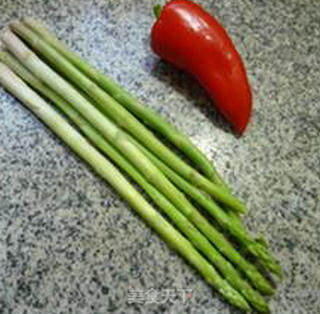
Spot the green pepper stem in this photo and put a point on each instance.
(157, 10)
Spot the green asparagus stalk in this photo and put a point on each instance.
(112, 133)
(122, 117)
(235, 227)
(132, 104)
(121, 141)
(229, 272)
(107, 171)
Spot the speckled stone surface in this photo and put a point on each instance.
(68, 244)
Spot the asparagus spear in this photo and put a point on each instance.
(229, 272)
(235, 227)
(107, 171)
(123, 118)
(146, 114)
(120, 140)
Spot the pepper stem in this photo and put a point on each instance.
(157, 10)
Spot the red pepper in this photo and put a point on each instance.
(194, 41)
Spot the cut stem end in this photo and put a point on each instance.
(157, 10)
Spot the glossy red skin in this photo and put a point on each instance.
(194, 41)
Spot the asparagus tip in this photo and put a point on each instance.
(261, 239)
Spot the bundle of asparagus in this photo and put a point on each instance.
(110, 123)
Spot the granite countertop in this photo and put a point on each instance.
(69, 244)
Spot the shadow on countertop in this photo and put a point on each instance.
(189, 87)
